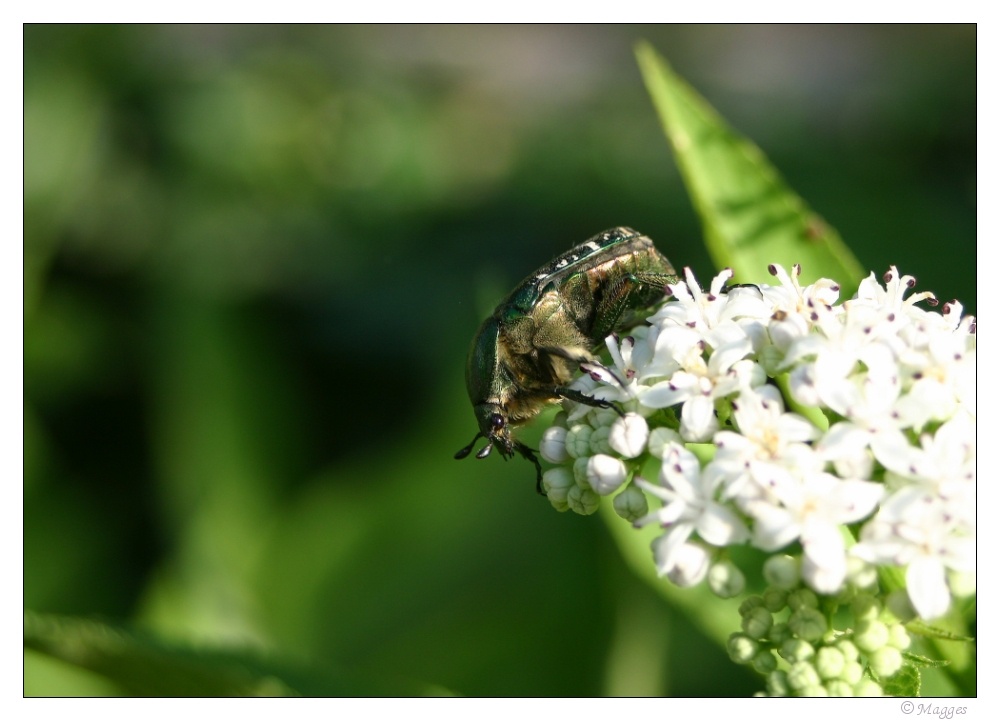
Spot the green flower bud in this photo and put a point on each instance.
(852, 673)
(802, 676)
(764, 662)
(779, 633)
(561, 506)
(885, 661)
(829, 662)
(599, 441)
(838, 688)
(577, 441)
(660, 440)
(847, 647)
(808, 624)
(582, 500)
(603, 418)
(775, 599)
(726, 580)
(802, 598)
(867, 688)
(750, 603)
(757, 622)
(742, 648)
(899, 637)
(795, 650)
(580, 472)
(782, 572)
(870, 636)
(631, 504)
(556, 483)
(777, 684)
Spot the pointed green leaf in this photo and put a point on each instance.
(751, 218)
(918, 661)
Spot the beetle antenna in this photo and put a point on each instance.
(468, 449)
(484, 451)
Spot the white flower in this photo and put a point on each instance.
(812, 510)
(694, 308)
(893, 298)
(688, 494)
(767, 435)
(915, 529)
(700, 382)
(791, 298)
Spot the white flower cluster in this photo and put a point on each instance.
(883, 436)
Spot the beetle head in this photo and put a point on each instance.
(494, 427)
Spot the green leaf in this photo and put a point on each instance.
(919, 661)
(144, 666)
(905, 682)
(923, 629)
(751, 218)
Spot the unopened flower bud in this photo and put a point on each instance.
(599, 440)
(726, 580)
(629, 435)
(577, 441)
(808, 624)
(582, 500)
(553, 445)
(839, 688)
(829, 662)
(795, 649)
(631, 504)
(556, 483)
(870, 636)
(803, 678)
(782, 572)
(605, 474)
(885, 661)
(757, 623)
(742, 648)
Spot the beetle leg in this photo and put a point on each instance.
(529, 454)
(580, 397)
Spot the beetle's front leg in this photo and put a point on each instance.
(529, 454)
(580, 397)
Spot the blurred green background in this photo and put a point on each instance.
(254, 258)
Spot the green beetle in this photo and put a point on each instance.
(525, 354)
